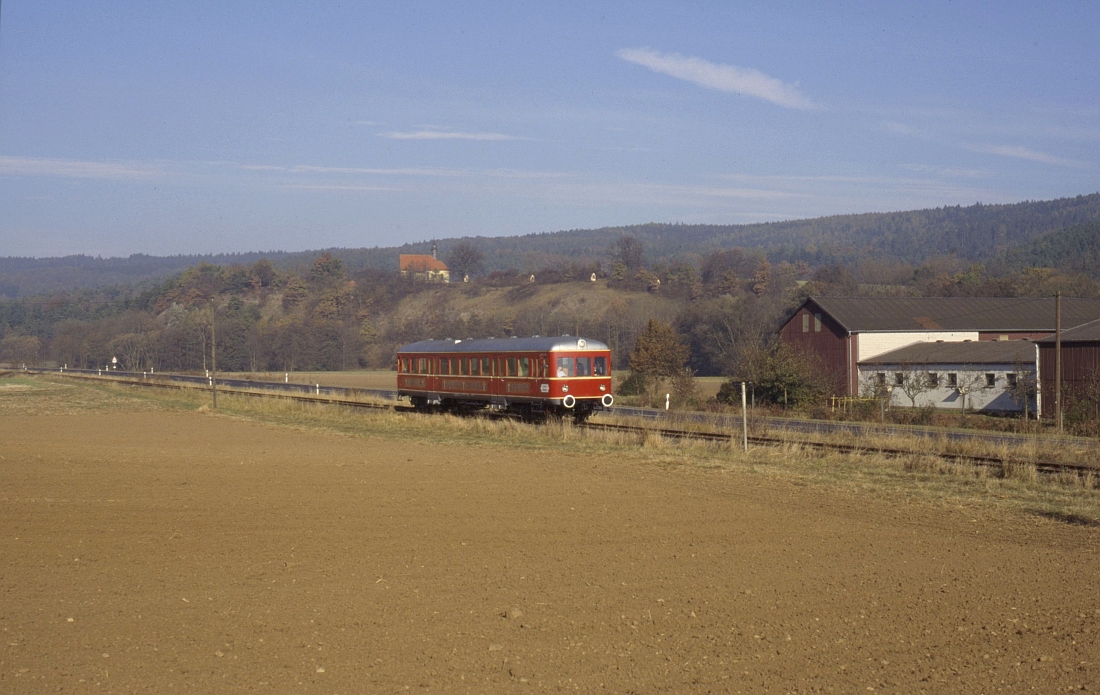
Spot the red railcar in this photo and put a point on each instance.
(532, 377)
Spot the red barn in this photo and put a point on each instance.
(842, 331)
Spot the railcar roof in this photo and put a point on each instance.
(533, 344)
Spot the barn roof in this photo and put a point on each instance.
(858, 314)
(419, 263)
(1089, 332)
(533, 344)
(966, 352)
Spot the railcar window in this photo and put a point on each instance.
(464, 366)
(444, 366)
(525, 366)
(475, 366)
(601, 366)
(486, 366)
(584, 366)
(511, 366)
(544, 368)
(565, 366)
(422, 365)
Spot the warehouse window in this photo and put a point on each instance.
(1010, 379)
(805, 323)
(881, 378)
(899, 378)
(934, 380)
(953, 380)
(817, 323)
(990, 380)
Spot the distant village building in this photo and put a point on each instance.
(843, 332)
(424, 268)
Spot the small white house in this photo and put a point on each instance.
(987, 375)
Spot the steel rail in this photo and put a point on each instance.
(976, 459)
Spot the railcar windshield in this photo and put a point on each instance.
(601, 366)
(584, 366)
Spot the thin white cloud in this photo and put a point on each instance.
(411, 171)
(432, 134)
(953, 172)
(724, 78)
(329, 187)
(72, 168)
(1030, 155)
(898, 128)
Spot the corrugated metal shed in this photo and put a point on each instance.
(1089, 332)
(857, 314)
(975, 352)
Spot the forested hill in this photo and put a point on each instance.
(1074, 249)
(978, 232)
(974, 233)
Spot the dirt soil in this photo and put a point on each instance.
(161, 551)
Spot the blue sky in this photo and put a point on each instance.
(163, 128)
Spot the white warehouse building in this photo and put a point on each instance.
(988, 375)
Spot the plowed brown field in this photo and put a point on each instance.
(161, 551)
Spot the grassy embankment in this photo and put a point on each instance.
(918, 476)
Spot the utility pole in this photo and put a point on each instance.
(214, 355)
(744, 420)
(1058, 359)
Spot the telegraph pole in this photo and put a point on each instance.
(744, 420)
(214, 355)
(1058, 359)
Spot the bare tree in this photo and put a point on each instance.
(464, 259)
(968, 383)
(914, 381)
(1020, 385)
(629, 252)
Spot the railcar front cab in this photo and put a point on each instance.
(532, 377)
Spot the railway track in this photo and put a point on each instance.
(312, 394)
(974, 459)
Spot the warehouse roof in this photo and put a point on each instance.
(1088, 332)
(954, 313)
(966, 352)
(533, 344)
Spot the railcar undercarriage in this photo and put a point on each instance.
(528, 412)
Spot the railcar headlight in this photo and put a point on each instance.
(602, 387)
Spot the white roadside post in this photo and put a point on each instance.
(666, 401)
(744, 420)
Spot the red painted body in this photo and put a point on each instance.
(533, 377)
